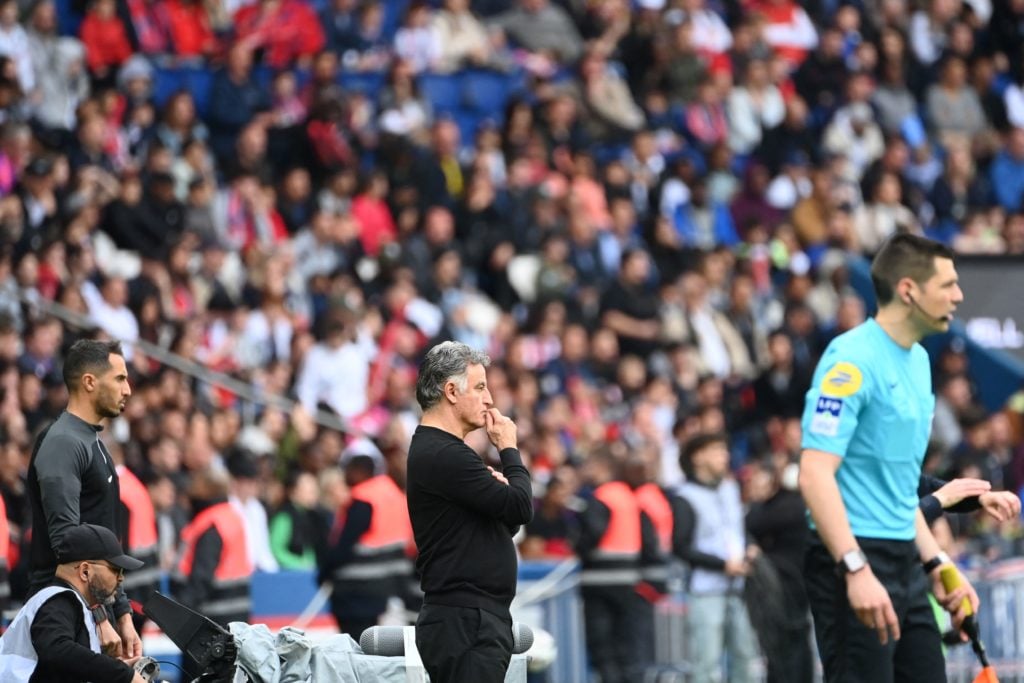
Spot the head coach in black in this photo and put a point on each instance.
(464, 514)
(72, 479)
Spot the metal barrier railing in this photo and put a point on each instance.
(246, 391)
(555, 605)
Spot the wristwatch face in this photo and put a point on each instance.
(854, 561)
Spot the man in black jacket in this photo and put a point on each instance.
(72, 478)
(54, 637)
(463, 515)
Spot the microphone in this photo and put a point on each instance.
(951, 581)
(389, 641)
(926, 314)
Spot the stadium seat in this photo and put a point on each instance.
(468, 121)
(442, 91)
(368, 83)
(196, 80)
(486, 92)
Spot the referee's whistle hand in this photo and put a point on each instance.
(872, 605)
(501, 430)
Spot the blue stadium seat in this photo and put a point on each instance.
(394, 15)
(486, 91)
(468, 120)
(444, 92)
(196, 80)
(368, 83)
(68, 21)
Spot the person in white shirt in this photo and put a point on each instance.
(753, 107)
(108, 307)
(336, 370)
(244, 489)
(14, 44)
(710, 32)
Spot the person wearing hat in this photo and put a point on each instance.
(54, 638)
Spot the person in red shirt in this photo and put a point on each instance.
(376, 225)
(105, 39)
(190, 30)
(287, 31)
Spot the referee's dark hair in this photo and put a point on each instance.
(697, 444)
(905, 255)
(88, 356)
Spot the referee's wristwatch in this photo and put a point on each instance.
(936, 562)
(852, 562)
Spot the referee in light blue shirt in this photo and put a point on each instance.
(872, 558)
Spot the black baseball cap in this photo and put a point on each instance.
(90, 542)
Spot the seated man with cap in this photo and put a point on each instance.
(54, 638)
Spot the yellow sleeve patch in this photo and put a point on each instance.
(844, 379)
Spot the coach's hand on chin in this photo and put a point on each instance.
(501, 430)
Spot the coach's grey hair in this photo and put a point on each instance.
(444, 363)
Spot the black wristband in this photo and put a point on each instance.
(99, 614)
(934, 563)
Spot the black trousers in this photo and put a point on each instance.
(463, 644)
(616, 626)
(355, 612)
(850, 652)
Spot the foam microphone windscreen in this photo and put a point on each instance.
(389, 641)
(522, 637)
(386, 641)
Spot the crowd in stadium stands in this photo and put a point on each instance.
(643, 212)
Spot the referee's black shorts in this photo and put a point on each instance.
(850, 651)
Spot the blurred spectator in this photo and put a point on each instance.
(959, 190)
(106, 41)
(297, 532)
(462, 39)
(243, 489)
(788, 29)
(62, 83)
(366, 554)
(629, 308)
(615, 539)
(821, 78)
(710, 536)
(416, 42)
(754, 106)
(1007, 172)
(544, 29)
(286, 32)
(780, 389)
(776, 523)
(929, 27)
(234, 100)
(214, 573)
(190, 30)
(952, 105)
(336, 369)
(613, 111)
(883, 215)
(854, 134)
(893, 100)
(340, 23)
(14, 44)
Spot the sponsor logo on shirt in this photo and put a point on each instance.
(843, 379)
(826, 416)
